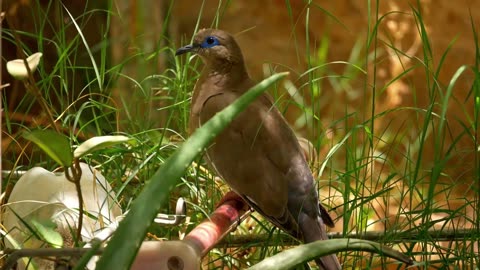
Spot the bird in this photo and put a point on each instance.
(257, 154)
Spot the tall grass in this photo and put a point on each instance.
(387, 172)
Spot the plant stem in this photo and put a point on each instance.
(32, 87)
(75, 179)
(30, 81)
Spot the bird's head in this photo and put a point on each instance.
(215, 47)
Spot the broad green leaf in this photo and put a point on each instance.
(54, 144)
(46, 230)
(122, 248)
(97, 143)
(290, 258)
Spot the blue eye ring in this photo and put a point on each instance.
(209, 42)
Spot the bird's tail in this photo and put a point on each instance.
(329, 262)
(314, 230)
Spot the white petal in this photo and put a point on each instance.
(17, 67)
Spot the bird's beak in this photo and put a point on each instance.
(186, 49)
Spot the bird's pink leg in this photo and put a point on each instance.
(231, 195)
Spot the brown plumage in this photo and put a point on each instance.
(258, 154)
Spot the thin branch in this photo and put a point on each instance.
(16, 254)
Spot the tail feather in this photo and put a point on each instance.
(313, 229)
(329, 262)
(326, 218)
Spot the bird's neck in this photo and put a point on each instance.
(226, 74)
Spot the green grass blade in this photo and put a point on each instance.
(290, 258)
(87, 48)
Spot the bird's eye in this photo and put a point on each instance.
(210, 41)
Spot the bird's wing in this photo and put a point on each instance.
(293, 163)
(255, 155)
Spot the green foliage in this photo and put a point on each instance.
(296, 256)
(45, 229)
(97, 143)
(55, 145)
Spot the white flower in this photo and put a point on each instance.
(17, 67)
(41, 195)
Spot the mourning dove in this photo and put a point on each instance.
(258, 154)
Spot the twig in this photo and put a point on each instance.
(16, 254)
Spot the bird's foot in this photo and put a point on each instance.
(231, 196)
